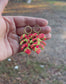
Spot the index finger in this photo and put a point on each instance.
(22, 21)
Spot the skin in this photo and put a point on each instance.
(11, 27)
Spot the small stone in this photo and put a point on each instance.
(42, 66)
(9, 60)
(16, 67)
(18, 78)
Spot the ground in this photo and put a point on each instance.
(49, 67)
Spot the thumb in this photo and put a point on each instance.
(3, 3)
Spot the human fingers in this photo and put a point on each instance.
(22, 21)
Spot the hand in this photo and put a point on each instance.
(11, 27)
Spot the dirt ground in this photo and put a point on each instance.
(55, 13)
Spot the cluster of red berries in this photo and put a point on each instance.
(33, 42)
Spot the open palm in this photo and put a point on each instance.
(11, 27)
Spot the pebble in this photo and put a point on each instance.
(9, 60)
(18, 78)
(42, 66)
(16, 67)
